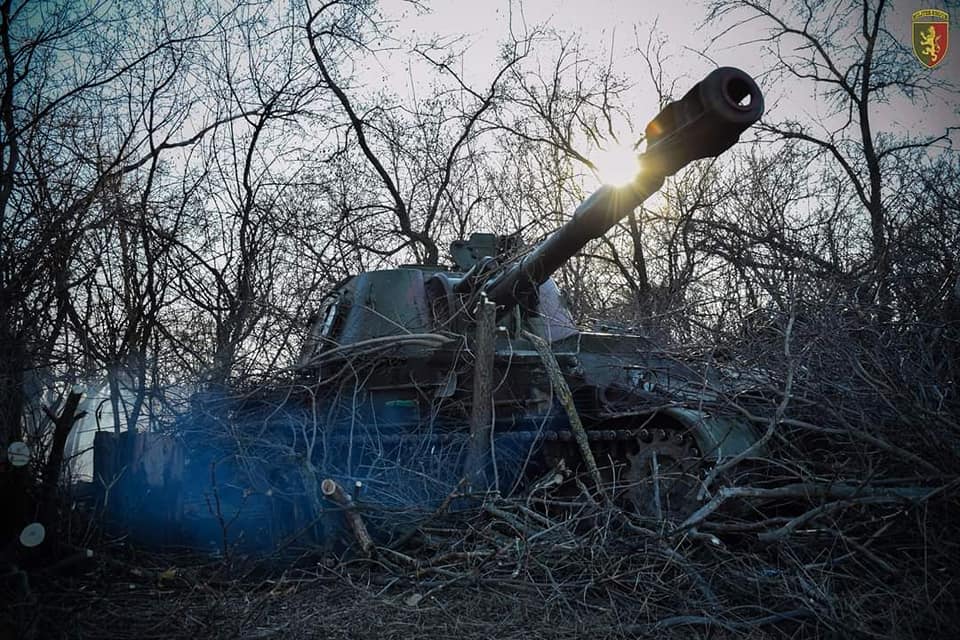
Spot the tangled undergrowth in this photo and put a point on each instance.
(511, 571)
(845, 527)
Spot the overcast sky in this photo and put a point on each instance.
(615, 25)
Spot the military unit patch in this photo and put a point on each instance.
(931, 36)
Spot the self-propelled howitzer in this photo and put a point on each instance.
(424, 343)
(417, 380)
(707, 121)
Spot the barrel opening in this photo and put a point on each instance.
(738, 92)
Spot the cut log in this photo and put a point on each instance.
(332, 490)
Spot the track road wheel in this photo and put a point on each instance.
(663, 475)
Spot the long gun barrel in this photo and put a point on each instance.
(707, 121)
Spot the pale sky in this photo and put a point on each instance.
(613, 25)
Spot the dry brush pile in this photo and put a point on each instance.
(840, 522)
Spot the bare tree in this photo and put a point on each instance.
(853, 63)
(414, 151)
(83, 139)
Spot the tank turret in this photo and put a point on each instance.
(707, 121)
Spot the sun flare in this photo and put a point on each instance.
(617, 164)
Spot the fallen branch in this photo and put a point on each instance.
(333, 491)
(566, 399)
(758, 445)
(839, 491)
(807, 516)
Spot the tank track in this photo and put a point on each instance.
(644, 436)
(654, 472)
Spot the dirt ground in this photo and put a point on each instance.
(602, 586)
(341, 601)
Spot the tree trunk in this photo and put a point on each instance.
(62, 425)
(14, 483)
